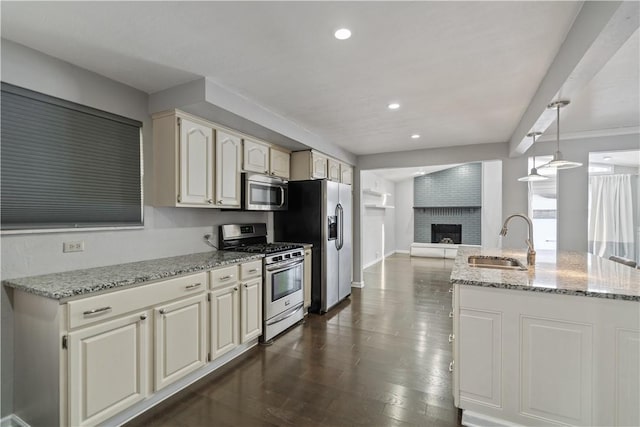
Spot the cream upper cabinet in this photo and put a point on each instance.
(228, 153)
(346, 174)
(196, 163)
(108, 366)
(333, 167)
(318, 166)
(180, 339)
(251, 303)
(256, 156)
(279, 163)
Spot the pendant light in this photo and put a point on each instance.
(534, 175)
(558, 162)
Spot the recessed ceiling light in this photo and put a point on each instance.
(607, 158)
(393, 106)
(415, 136)
(342, 34)
(420, 173)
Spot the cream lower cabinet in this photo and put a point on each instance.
(180, 339)
(225, 320)
(108, 368)
(251, 310)
(531, 358)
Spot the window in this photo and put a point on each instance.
(65, 165)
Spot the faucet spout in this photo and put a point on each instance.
(531, 253)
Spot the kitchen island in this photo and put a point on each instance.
(557, 343)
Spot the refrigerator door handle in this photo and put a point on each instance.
(341, 225)
(337, 216)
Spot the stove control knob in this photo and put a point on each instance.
(287, 256)
(277, 258)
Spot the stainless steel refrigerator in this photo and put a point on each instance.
(320, 212)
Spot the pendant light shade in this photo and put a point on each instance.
(533, 175)
(558, 161)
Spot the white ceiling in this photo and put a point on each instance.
(463, 72)
(620, 158)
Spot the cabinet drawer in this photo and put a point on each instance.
(106, 306)
(223, 276)
(249, 270)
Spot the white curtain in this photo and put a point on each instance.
(611, 216)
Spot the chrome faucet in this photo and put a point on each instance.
(531, 253)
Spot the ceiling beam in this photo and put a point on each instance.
(599, 30)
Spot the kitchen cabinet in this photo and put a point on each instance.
(346, 174)
(333, 168)
(532, 358)
(266, 159)
(236, 306)
(279, 164)
(197, 162)
(228, 154)
(180, 339)
(225, 320)
(108, 366)
(307, 279)
(256, 156)
(311, 164)
(251, 310)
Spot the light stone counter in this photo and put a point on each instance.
(84, 282)
(569, 273)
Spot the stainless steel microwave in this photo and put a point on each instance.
(263, 193)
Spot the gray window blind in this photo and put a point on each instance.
(65, 165)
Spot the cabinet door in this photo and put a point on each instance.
(225, 320)
(318, 166)
(251, 310)
(307, 278)
(256, 156)
(280, 163)
(346, 174)
(334, 170)
(196, 164)
(228, 152)
(108, 365)
(180, 345)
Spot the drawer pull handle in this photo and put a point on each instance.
(451, 337)
(227, 277)
(195, 285)
(451, 366)
(451, 314)
(253, 270)
(96, 311)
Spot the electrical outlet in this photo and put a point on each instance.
(73, 246)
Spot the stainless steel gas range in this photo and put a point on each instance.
(283, 272)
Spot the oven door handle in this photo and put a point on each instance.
(276, 268)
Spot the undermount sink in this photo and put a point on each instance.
(503, 263)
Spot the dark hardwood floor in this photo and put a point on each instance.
(380, 359)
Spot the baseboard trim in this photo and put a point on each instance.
(402, 251)
(357, 284)
(475, 419)
(13, 421)
(369, 264)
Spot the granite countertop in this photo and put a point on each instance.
(83, 282)
(569, 273)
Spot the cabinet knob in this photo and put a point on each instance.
(246, 286)
(162, 311)
(451, 366)
(451, 314)
(210, 201)
(219, 202)
(235, 289)
(143, 317)
(451, 337)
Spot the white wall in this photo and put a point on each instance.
(167, 231)
(491, 203)
(404, 214)
(378, 225)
